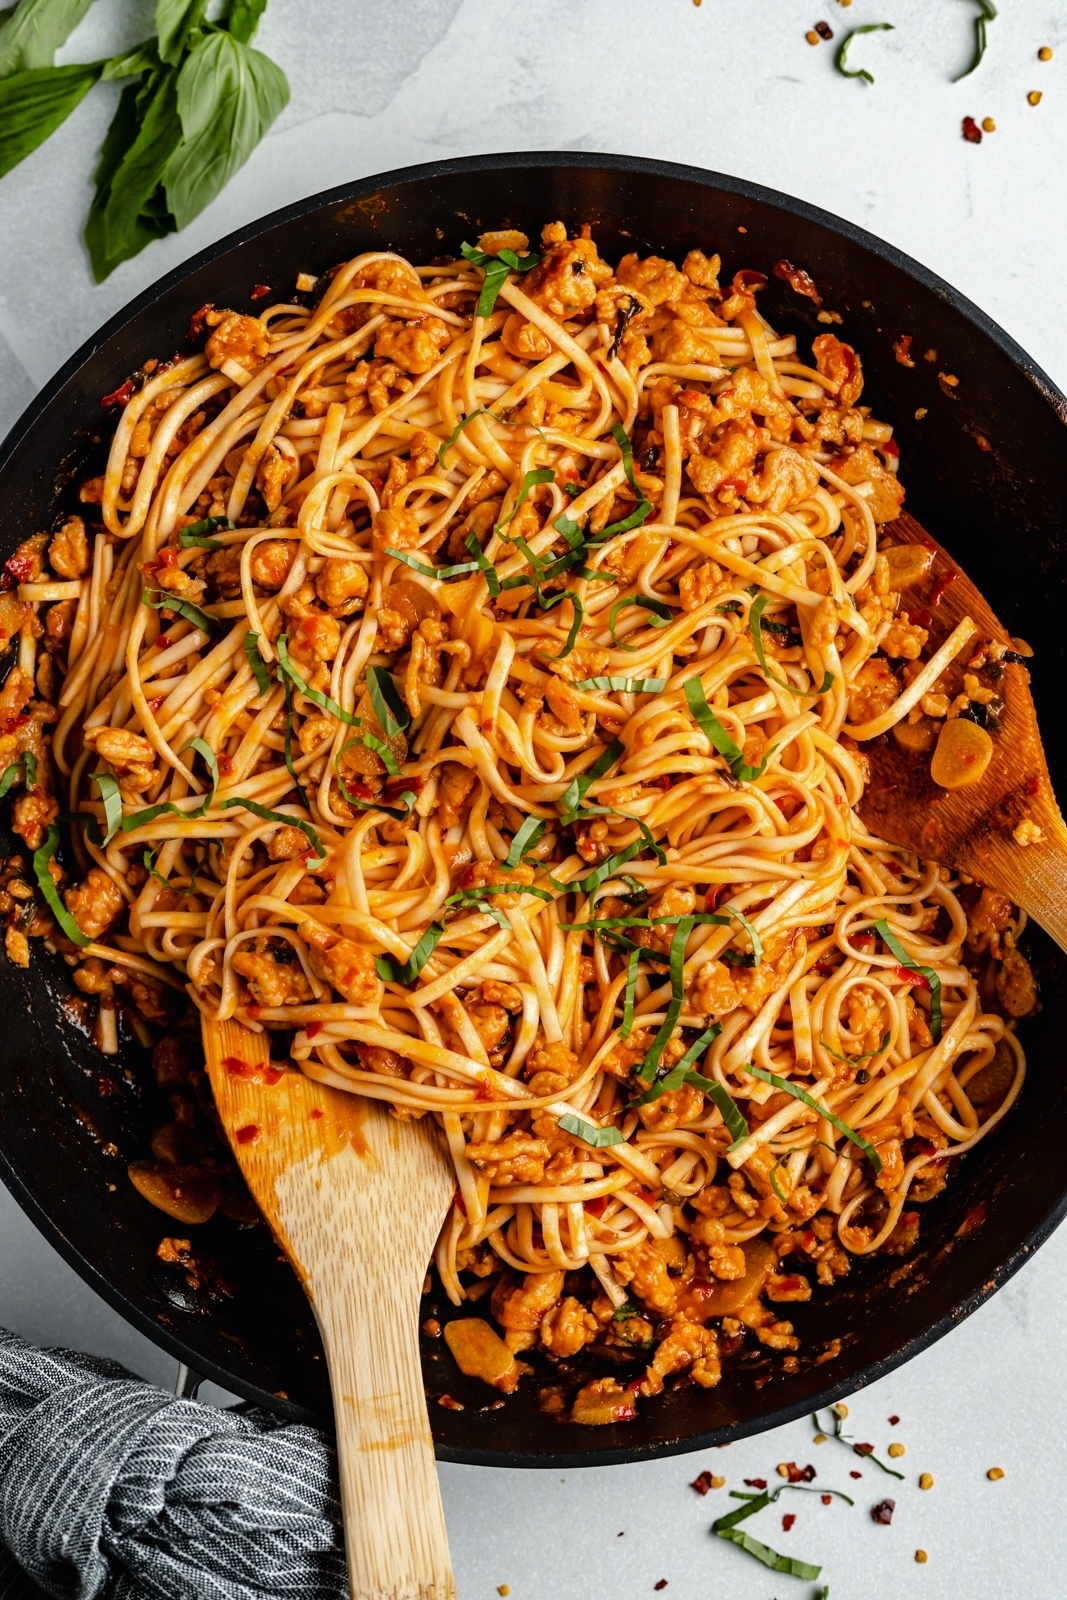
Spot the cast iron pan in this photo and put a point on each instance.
(982, 469)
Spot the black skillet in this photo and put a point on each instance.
(983, 461)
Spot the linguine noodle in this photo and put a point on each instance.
(482, 699)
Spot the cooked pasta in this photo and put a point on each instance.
(466, 670)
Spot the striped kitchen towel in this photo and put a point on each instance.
(111, 1489)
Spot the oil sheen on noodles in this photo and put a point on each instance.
(565, 615)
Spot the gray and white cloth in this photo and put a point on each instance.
(112, 1489)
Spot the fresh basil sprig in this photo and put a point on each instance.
(824, 1111)
(196, 534)
(406, 972)
(181, 608)
(200, 102)
(718, 736)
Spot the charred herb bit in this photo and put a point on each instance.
(589, 1133)
(623, 316)
(987, 12)
(47, 885)
(392, 971)
(824, 1111)
(933, 982)
(867, 1451)
(496, 269)
(841, 58)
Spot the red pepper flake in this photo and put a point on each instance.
(259, 291)
(315, 1113)
(920, 616)
(756, 1483)
(855, 1474)
(893, 1421)
(237, 1067)
(906, 975)
(799, 281)
(167, 557)
(863, 1449)
(891, 449)
(945, 581)
(20, 569)
(198, 320)
(902, 350)
(883, 1512)
(120, 396)
(788, 1521)
(662, 1584)
(460, 1203)
(1033, 784)
(747, 279)
(702, 1483)
(664, 781)
(711, 899)
(799, 1474)
(827, 1499)
(971, 131)
(155, 703)
(106, 1086)
(597, 1207)
(972, 1221)
(249, 1134)
(312, 1029)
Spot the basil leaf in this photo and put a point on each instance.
(280, 816)
(485, 566)
(287, 746)
(323, 701)
(12, 774)
(754, 938)
(109, 793)
(524, 840)
(779, 1196)
(634, 520)
(196, 533)
(176, 23)
(228, 96)
(663, 615)
(718, 736)
(34, 103)
(839, 1433)
(624, 685)
(181, 608)
(32, 32)
(243, 18)
(629, 993)
(464, 422)
(389, 708)
(430, 572)
(496, 269)
(382, 751)
(149, 860)
(393, 972)
(651, 1062)
(882, 928)
(129, 208)
(211, 762)
(589, 1133)
(770, 1558)
(626, 1312)
(755, 628)
(842, 54)
(824, 1111)
(578, 788)
(987, 12)
(464, 897)
(399, 813)
(856, 1061)
(131, 63)
(529, 481)
(47, 885)
(682, 1073)
(257, 663)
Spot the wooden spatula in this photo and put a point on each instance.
(974, 829)
(356, 1200)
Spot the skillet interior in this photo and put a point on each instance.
(979, 468)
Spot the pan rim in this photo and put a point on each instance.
(647, 168)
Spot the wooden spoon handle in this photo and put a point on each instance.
(395, 1536)
(1035, 878)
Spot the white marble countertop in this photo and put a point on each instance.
(731, 86)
